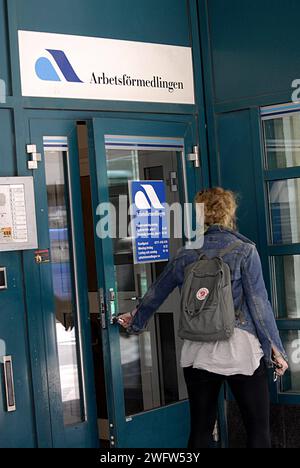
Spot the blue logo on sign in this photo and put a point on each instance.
(150, 230)
(45, 69)
(148, 198)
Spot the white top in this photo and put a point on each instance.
(241, 354)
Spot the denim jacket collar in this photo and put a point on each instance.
(217, 228)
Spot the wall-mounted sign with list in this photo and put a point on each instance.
(17, 214)
(149, 221)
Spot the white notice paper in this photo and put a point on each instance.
(13, 220)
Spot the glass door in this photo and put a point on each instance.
(64, 307)
(146, 392)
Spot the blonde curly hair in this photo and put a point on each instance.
(220, 206)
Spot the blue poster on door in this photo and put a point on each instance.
(149, 221)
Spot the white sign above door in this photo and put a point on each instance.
(64, 66)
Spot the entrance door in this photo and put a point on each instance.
(64, 292)
(147, 400)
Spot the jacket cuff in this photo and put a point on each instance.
(134, 330)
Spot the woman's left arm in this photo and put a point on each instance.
(136, 321)
(259, 304)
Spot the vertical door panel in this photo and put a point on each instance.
(146, 396)
(65, 297)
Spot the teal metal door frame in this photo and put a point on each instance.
(159, 427)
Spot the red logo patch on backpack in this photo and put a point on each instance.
(202, 294)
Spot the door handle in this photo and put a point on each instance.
(112, 305)
(133, 299)
(9, 384)
(102, 304)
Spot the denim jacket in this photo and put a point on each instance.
(248, 287)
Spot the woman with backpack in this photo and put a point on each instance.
(229, 330)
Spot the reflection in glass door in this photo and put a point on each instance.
(63, 277)
(150, 362)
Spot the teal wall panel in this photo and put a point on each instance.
(147, 20)
(255, 47)
(236, 171)
(7, 145)
(16, 429)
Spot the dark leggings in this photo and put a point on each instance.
(251, 394)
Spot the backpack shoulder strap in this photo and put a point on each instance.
(201, 254)
(222, 253)
(229, 249)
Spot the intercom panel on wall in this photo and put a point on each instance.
(18, 229)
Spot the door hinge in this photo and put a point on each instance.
(35, 157)
(194, 156)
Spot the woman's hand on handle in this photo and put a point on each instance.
(125, 320)
(280, 363)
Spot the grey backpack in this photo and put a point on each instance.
(207, 309)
